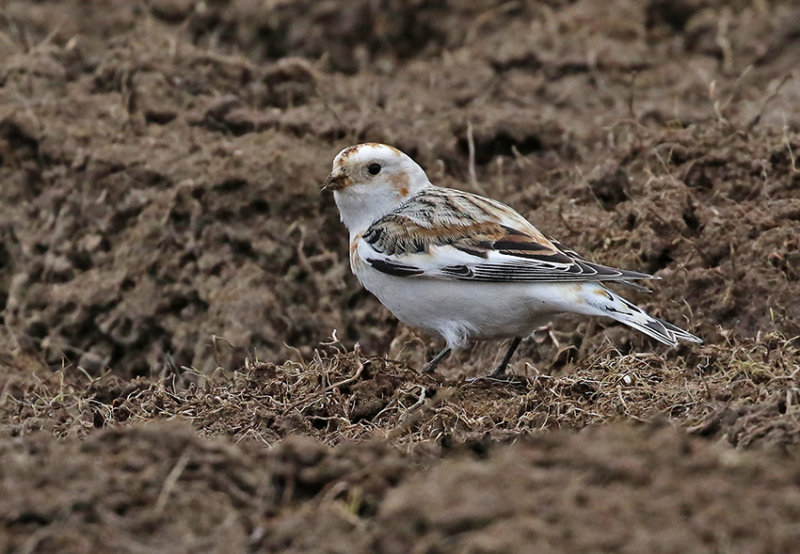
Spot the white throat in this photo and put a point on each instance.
(358, 210)
(362, 205)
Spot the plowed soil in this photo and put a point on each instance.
(187, 364)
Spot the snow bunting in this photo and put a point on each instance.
(464, 266)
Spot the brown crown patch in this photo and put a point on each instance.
(350, 150)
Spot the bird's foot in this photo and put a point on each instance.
(431, 366)
(499, 371)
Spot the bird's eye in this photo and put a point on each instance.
(374, 169)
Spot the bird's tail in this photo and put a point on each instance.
(614, 306)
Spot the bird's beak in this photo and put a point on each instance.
(337, 180)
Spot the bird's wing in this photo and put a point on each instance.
(448, 234)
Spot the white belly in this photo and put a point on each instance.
(463, 310)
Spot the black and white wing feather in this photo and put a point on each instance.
(448, 234)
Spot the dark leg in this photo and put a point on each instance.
(430, 366)
(501, 369)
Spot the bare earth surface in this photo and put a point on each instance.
(187, 365)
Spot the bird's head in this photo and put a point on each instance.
(370, 180)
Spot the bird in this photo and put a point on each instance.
(464, 266)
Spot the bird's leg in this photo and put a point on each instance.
(501, 369)
(430, 366)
